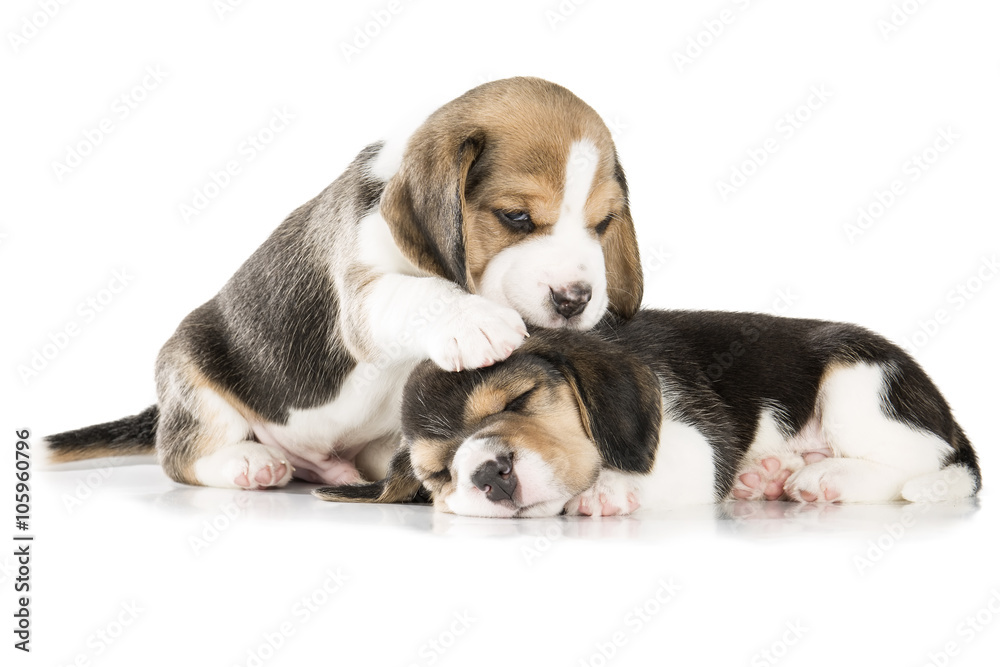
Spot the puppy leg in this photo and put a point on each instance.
(613, 494)
(874, 454)
(846, 480)
(202, 439)
(427, 317)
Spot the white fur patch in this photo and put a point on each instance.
(538, 492)
(522, 276)
(870, 458)
(378, 249)
(221, 468)
(431, 318)
(321, 439)
(684, 470)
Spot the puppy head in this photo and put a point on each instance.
(514, 191)
(523, 437)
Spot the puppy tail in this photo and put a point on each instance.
(131, 436)
(399, 486)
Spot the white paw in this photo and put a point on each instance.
(819, 482)
(847, 480)
(476, 333)
(613, 494)
(244, 465)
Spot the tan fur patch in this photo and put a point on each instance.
(215, 426)
(522, 130)
(556, 433)
(93, 452)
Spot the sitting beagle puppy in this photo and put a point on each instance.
(506, 207)
(673, 408)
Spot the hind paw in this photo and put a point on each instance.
(765, 479)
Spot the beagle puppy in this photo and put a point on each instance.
(507, 207)
(672, 408)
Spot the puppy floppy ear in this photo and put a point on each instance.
(424, 203)
(399, 486)
(618, 395)
(621, 258)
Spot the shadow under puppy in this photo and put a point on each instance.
(673, 408)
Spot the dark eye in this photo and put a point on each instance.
(517, 404)
(519, 221)
(603, 225)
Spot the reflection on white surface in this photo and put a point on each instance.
(218, 571)
(751, 519)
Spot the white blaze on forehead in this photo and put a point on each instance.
(523, 275)
(581, 167)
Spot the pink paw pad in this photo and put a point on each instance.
(607, 506)
(268, 475)
(765, 481)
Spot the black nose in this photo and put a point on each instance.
(572, 299)
(496, 478)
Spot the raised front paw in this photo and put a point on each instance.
(477, 333)
(613, 494)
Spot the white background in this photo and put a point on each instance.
(551, 592)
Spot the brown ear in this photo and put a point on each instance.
(424, 203)
(617, 394)
(621, 258)
(399, 486)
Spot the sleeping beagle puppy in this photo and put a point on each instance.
(672, 408)
(507, 207)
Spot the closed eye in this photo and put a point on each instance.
(518, 404)
(602, 226)
(441, 476)
(519, 221)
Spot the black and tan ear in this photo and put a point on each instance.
(424, 202)
(399, 486)
(618, 395)
(621, 258)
